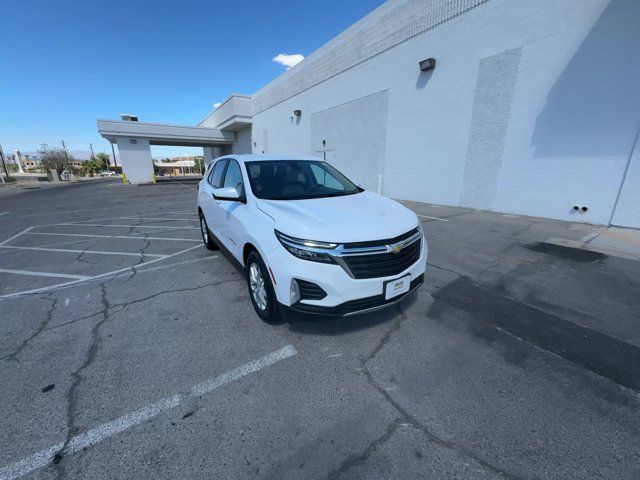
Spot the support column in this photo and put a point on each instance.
(135, 159)
(211, 153)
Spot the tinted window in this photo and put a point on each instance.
(297, 179)
(233, 177)
(215, 177)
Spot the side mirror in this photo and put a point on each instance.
(229, 194)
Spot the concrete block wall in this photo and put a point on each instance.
(568, 123)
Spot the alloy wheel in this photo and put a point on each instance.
(258, 290)
(203, 229)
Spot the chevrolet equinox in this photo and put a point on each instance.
(309, 239)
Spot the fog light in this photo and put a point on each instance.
(294, 291)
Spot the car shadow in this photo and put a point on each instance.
(332, 326)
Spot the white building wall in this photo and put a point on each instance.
(565, 131)
(628, 210)
(243, 141)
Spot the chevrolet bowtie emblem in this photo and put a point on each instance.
(396, 247)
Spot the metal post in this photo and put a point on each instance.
(4, 164)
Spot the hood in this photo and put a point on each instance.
(353, 218)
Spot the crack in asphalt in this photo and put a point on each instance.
(405, 418)
(118, 307)
(146, 245)
(359, 459)
(444, 269)
(77, 378)
(80, 259)
(13, 357)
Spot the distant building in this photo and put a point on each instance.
(31, 165)
(176, 166)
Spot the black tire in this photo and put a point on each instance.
(269, 312)
(207, 237)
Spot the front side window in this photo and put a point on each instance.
(215, 177)
(297, 180)
(233, 177)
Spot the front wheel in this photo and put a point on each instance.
(207, 238)
(263, 296)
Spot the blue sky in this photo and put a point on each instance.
(63, 64)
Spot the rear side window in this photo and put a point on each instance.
(215, 177)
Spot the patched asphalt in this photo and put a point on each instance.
(516, 359)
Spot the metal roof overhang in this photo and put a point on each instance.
(165, 134)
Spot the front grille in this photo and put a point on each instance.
(310, 291)
(383, 264)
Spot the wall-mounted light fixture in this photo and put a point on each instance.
(133, 141)
(297, 113)
(427, 64)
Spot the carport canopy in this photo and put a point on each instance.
(134, 140)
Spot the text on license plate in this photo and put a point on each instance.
(397, 287)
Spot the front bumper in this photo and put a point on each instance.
(345, 295)
(356, 307)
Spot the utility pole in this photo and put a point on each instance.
(4, 164)
(93, 157)
(66, 155)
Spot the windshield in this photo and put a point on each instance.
(297, 180)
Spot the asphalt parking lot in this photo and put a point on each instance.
(129, 351)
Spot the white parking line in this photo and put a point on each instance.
(106, 430)
(184, 185)
(175, 264)
(65, 212)
(16, 236)
(135, 217)
(97, 277)
(433, 218)
(96, 252)
(163, 219)
(187, 212)
(164, 227)
(112, 236)
(43, 274)
(84, 222)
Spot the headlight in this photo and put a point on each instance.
(307, 249)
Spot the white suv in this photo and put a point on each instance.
(307, 237)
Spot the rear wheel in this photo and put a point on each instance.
(207, 238)
(263, 296)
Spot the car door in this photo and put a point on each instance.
(210, 206)
(234, 213)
